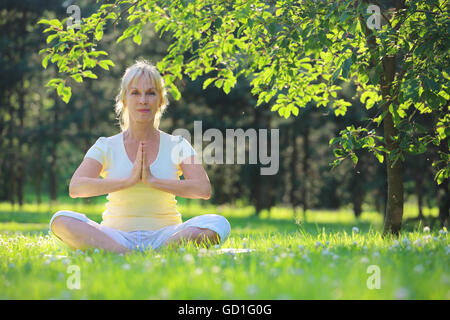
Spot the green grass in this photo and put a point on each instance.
(284, 258)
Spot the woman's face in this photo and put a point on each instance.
(142, 100)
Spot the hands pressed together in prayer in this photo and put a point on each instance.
(141, 169)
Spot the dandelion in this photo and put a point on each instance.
(126, 266)
(405, 241)
(364, 260)
(198, 271)
(188, 258)
(419, 268)
(426, 229)
(376, 254)
(418, 243)
(427, 238)
(88, 259)
(355, 230)
(227, 286)
(401, 293)
(252, 289)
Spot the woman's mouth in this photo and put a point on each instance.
(144, 110)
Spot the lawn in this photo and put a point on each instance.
(331, 255)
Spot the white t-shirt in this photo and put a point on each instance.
(140, 207)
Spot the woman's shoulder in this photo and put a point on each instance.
(173, 138)
(108, 140)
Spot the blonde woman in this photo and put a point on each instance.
(140, 168)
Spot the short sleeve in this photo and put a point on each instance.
(98, 150)
(183, 149)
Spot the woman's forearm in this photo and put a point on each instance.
(188, 188)
(91, 187)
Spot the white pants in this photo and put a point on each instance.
(144, 239)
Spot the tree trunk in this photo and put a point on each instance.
(419, 193)
(53, 173)
(443, 192)
(11, 154)
(20, 158)
(394, 208)
(293, 170)
(306, 156)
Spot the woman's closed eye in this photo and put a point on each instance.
(148, 93)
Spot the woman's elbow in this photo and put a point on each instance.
(206, 194)
(72, 192)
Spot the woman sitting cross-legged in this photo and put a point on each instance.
(141, 168)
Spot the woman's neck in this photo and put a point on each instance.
(138, 133)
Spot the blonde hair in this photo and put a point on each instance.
(140, 68)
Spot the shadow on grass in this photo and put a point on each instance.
(35, 222)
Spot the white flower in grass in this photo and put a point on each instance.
(355, 230)
(216, 246)
(126, 266)
(364, 260)
(227, 287)
(252, 289)
(88, 259)
(406, 242)
(418, 243)
(181, 249)
(427, 238)
(215, 269)
(325, 252)
(426, 229)
(401, 293)
(198, 271)
(419, 268)
(96, 250)
(188, 258)
(376, 254)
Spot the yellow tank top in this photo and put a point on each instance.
(140, 207)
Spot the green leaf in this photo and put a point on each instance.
(175, 92)
(106, 63)
(208, 82)
(137, 39)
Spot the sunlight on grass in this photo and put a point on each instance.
(273, 256)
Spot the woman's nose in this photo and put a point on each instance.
(142, 98)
